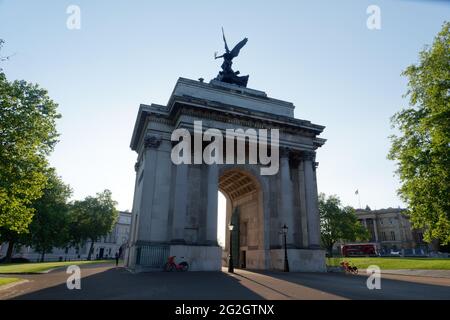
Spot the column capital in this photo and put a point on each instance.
(285, 152)
(152, 141)
(309, 155)
(297, 157)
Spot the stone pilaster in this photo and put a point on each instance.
(311, 196)
(180, 203)
(211, 210)
(150, 163)
(302, 202)
(286, 216)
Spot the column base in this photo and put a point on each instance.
(300, 260)
(200, 258)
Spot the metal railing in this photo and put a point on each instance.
(154, 256)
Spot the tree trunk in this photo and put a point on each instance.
(42, 256)
(10, 251)
(90, 250)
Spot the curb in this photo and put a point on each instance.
(16, 283)
(410, 275)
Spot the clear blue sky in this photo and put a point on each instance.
(317, 54)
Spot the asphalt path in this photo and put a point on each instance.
(108, 282)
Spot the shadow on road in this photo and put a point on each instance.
(118, 283)
(355, 287)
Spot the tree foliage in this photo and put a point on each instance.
(50, 225)
(93, 218)
(422, 148)
(338, 223)
(27, 136)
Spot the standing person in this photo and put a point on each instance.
(117, 259)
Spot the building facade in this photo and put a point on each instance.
(391, 230)
(104, 248)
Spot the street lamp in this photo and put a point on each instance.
(230, 256)
(284, 231)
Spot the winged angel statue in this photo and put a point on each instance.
(227, 74)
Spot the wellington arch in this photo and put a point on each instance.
(175, 208)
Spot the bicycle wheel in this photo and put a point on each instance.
(184, 266)
(168, 267)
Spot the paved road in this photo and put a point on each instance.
(108, 282)
(419, 272)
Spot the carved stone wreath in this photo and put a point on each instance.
(152, 141)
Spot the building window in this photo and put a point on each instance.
(392, 235)
(383, 236)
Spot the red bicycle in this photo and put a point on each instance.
(171, 265)
(349, 268)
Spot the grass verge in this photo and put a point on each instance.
(5, 281)
(42, 266)
(395, 263)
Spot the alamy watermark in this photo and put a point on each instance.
(234, 143)
(374, 279)
(74, 280)
(373, 22)
(73, 21)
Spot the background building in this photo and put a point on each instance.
(391, 230)
(106, 247)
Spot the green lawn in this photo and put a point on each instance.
(42, 266)
(4, 281)
(395, 263)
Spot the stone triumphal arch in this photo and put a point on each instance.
(175, 205)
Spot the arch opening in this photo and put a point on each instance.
(240, 203)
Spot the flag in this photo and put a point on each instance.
(356, 192)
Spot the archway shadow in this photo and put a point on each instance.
(355, 286)
(120, 284)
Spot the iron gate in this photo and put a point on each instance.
(154, 256)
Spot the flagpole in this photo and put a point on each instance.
(359, 200)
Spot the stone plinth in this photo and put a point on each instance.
(300, 260)
(200, 258)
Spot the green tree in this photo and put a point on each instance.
(338, 223)
(27, 136)
(92, 218)
(422, 147)
(50, 225)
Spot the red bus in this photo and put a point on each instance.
(359, 249)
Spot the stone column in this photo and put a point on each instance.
(302, 201)
(311, 200)
(180, 203)
(286, 215)
(134, 222)
(211, 210)
(144, 218)
(375, 228)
